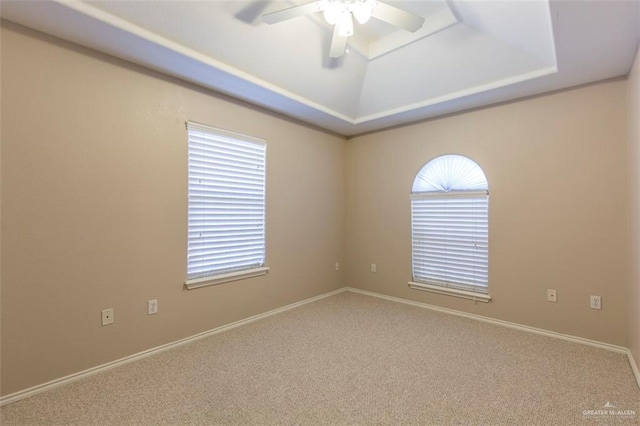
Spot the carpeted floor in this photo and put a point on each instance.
(353, 359)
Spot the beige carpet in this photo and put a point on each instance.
(352, 359)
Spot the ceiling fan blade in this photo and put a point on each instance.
(291, 12)
(338, 44)
(398, 17)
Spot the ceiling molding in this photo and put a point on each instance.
(468, 55)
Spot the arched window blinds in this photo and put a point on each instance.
(449, 224)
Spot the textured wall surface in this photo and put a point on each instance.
(94, 210)
(634, 159)
(558, 181)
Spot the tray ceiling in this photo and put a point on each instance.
(468, 53)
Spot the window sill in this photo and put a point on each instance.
(476, 297)
(225, 278)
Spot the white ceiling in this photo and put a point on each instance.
(468, 53)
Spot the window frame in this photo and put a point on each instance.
(202, 140)
(470, 196)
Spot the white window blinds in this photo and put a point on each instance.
(449, 222)
(226, 212)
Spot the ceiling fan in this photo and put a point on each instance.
(340, 14)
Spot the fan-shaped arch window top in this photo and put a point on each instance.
(450, 173)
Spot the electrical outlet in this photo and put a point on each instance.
(107, 316)
(552, 295)
(373, 267)
(152, 307)
(337, 266)
(596, 302)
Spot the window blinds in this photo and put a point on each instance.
(450, 224)
(226, 209)
(450, 239)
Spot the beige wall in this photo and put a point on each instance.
(634, 157)
(0, 213)
(94, 210)
(558, 178)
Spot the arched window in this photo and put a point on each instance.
(450, 228)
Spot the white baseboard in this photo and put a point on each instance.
(567, 337)
(517, 326)
(634, 366)
(16, 396)
(132, 358)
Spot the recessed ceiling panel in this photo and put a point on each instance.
(458, 60)
(467, 54)
(405, 68)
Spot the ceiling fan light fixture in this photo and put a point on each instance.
(362, 10)
(340, 14)
(345, 25)
(332, 10)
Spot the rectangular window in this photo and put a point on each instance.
(450, 240)
(226, 212)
